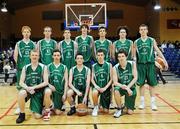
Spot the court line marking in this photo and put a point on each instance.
(156, 113)
(140, 123)
(145, 113)
(170, 105)
(163, 106)
(8, 109)
(137, 113)
(158, 95)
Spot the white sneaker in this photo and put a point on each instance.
(17, 111)
(117, 114)
(153, 106)
(142, 106)
(95, 111)
(111, 106)
(63, 108)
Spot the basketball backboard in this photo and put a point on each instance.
(92, 14)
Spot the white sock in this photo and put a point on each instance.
(47, 109)
(153, 99)
(142, 98)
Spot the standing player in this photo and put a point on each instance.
(22, 53)
(79, 81)
(68, 48)
(58, 82)
(46, 46)
(104, 44)
(85, 45)
(33, 80)
(101, 80)
(144, 48)
(123, 43)
(124, 79)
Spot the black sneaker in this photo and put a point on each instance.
(165, 82)
(72, 111)
(21, 118)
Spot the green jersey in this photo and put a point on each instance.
(34, 77)
(84, 46)
(24, 50)
(79, 78)
(123, 45)
(104, 45)
(56, 76)
(125, 76)
(145, 51)
(68, 54)
(46, 50)
(101, 74)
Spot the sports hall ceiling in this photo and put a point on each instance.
(14, 5)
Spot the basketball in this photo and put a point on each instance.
(81, 109)
(160, 62)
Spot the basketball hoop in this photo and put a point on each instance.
(91, 14)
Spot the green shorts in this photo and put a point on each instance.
(105, 98)
(129, 100)
(146, 72)
(36, 101)
(57, 100)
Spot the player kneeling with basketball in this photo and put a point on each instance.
(58, 81)
(101, 80)
(124, 78)
(79, 83)
(33, 80)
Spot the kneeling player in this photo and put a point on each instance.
(124, 78)
(33, 80)
(79, 81)
(101, 80)
(58, 81)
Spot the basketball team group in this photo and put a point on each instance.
(50, 73)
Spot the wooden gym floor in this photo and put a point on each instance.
(167, 116)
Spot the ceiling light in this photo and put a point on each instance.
(157, 6)
(4, 9)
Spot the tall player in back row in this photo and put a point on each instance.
(46, 46)
(123, 43)
(145, 58)
(85, 44)
(22, 54)
(68, 49)
(103, 44)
